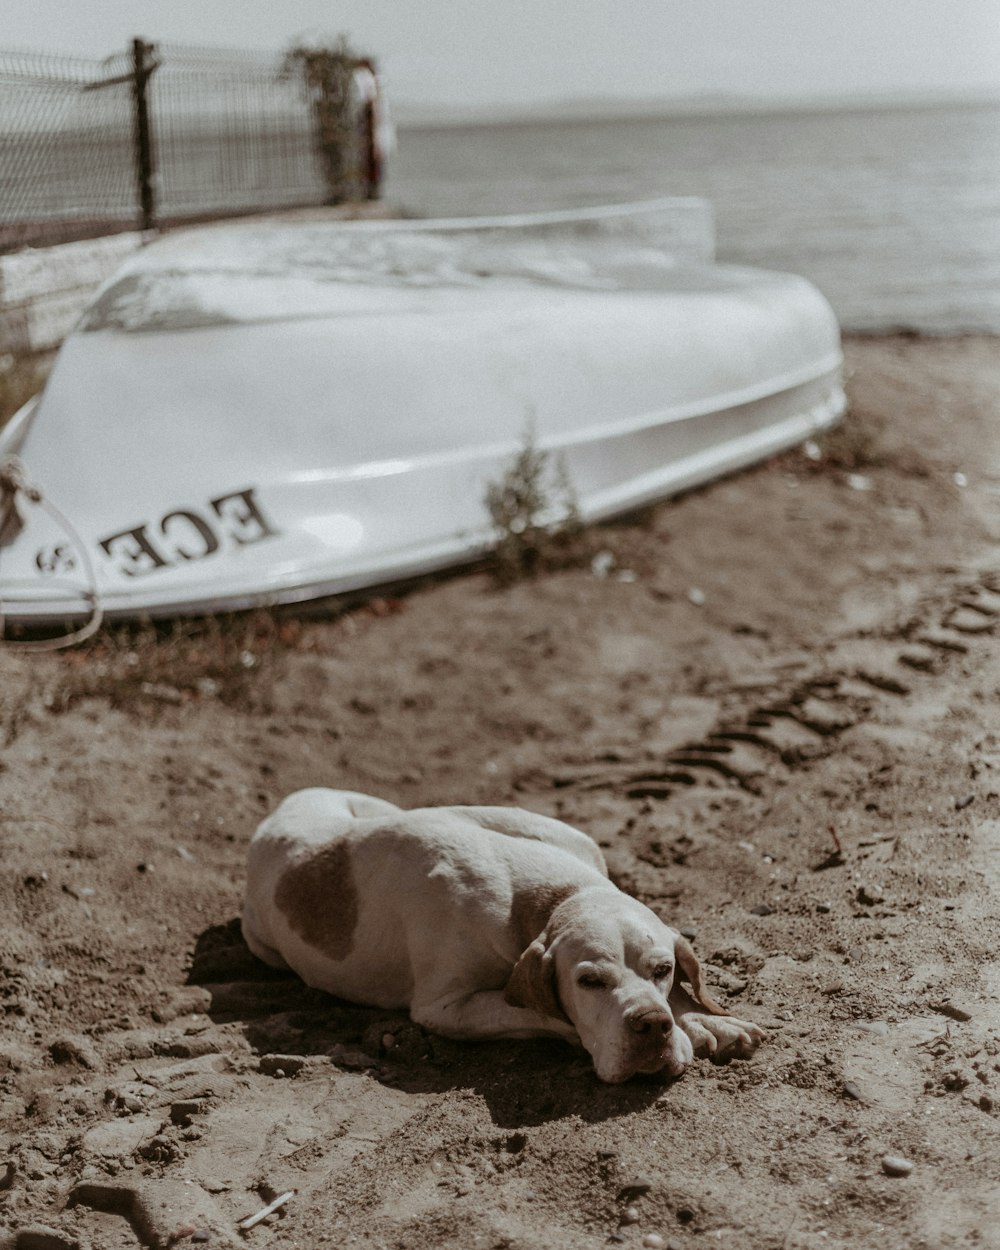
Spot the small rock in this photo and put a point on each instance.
(952, 1011)
(349, 1057)
(72, 1049)
(161, 692)
(213, 1185)
(870, 895)
(186, 1047)
(185, 854)
(187, 1000)
(896, 1165)
(697, 596)
(41, 1237)
(688, 933)
(635, 1186)
(201, 1235)
(654, 1241)
(964, 801)
(602, 563)
(630, 1215)
(285, 1065)
(182, 1112)
(762, 909)
(852, 1091)
(824, 908)
(858, 481)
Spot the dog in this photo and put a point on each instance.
(485, 922)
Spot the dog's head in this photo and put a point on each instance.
(607, 964)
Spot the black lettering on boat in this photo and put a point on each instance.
(58, 559)
(186, 535)
(244, 518)
(208, 537)
(134, 552)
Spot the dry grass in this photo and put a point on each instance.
(20, 378)
(535, 518)
(234, 659)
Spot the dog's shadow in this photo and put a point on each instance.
(523, 1083)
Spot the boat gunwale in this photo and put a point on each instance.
(464, 548)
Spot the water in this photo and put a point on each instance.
(893, 213)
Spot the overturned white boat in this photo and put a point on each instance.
(267, 413)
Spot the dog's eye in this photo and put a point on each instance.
(661, 971)
(591, 981)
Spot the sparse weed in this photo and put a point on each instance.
(534, 514)
(233, 659)
(853, 445)
(20, 378)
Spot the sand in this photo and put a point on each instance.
(776, 710)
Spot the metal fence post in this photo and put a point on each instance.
(145, 163)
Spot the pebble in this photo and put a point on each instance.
(654, 1241)
(824, 908)
(41, 1237)
(762, 909)
(870, 894)
(183, 1111)
(281, 1065)
(952, 1011)
(630, 1215)
(689, 933)
(964, 801)
(896, 1165)
(852, 1091)
(637, 1185)
(697, 596)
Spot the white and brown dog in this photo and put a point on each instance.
(484, 922)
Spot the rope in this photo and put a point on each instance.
(14, 481)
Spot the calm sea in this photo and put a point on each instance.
(893, 213)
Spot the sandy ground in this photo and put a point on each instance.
(800, 658)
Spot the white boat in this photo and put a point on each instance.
(264, 413)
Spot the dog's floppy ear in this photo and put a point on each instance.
(687, 961)
(532, 982)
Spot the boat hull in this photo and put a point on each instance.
(334, 437)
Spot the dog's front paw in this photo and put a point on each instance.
(721, 1037)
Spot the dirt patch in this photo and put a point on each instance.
(773, 702)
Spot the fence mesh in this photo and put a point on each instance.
(230, 132)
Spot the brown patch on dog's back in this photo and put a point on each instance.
(319, 900)
(530, 909)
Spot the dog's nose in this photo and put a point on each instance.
(653, 1024)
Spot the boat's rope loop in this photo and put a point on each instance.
(14, 482)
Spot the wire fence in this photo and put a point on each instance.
(162, 133)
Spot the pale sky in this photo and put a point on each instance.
(511, 52)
